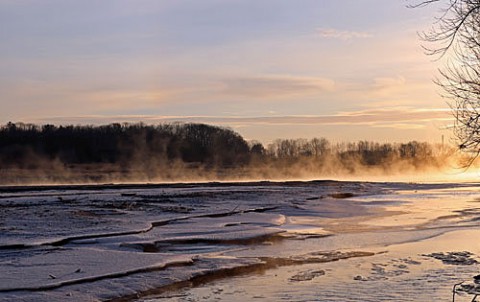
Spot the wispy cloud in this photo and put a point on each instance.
(276, 86)
(400, 126)
(400, 118)
(342, 34)
(386, 83)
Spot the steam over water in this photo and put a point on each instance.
(295, 241)
(47, 154)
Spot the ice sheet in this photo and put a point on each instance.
(123, 242)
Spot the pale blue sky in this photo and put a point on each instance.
(266, 68)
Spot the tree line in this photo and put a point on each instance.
(177, 151)
(117, 144)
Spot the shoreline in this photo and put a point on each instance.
(394, 264)
(151, 240)
(14, 188)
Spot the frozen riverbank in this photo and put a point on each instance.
(308, 239)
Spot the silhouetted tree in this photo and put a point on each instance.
(458, 31)
(115, 143)
(157, 151)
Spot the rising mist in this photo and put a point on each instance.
(31, 154)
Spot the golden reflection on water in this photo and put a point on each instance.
(427, 207)
(403, 226)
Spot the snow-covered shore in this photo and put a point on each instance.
(178, 242)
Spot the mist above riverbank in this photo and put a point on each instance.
(32, 154)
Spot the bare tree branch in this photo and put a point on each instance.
(457, 32)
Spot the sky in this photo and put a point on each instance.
(345, 70)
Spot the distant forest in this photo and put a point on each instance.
(182, 152)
